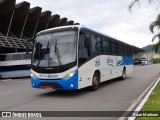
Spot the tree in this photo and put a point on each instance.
(153, 25)
(139, 1)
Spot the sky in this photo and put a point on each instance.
(110, 17)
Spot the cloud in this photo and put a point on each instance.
(107, 16)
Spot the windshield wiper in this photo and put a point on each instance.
(56, 50)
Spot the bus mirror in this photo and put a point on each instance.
(87, 42)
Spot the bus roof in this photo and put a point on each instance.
(81, 27)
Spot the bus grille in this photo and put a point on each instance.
(52, 84)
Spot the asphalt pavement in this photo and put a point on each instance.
(113, 95)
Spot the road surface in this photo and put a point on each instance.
(113, 95)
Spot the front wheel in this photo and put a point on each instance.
(95, 82)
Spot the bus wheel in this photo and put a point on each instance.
(95, 82)
(123, 77)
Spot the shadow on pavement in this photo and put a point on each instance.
(84, 91)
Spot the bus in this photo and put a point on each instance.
(15, 65)
(75, 57)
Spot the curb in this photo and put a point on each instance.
(144, 100)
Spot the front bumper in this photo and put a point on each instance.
(60, 84)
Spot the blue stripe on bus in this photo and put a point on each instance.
(14, 71)
(65, 83)
(125, 61)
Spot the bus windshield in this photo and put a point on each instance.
(54, 49)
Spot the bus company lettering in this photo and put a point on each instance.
(48, 76)
(54, 76)
(109, 60)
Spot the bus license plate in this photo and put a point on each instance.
(49, 88)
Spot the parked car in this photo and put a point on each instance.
(144, 61)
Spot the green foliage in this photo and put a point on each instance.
(156, 24)
(152, 104)
(133, 2)
(156, 60)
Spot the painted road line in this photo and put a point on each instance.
(6, 79)
(138, 100)
(6, 92)
(145, 99)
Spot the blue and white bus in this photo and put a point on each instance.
(75, 57)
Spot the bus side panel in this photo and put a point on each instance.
(86, 72)
(128, 63)
(119, 65)
(108, 67)
(129, 69)
(15, 74)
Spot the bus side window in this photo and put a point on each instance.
(126, 51)
(99, 45)
(130, 51)
(87, 43)
(16, 57)
(96, 44)
(114, 48)
(3, 57)
(83, 51)
(121, 50)
(106, 46)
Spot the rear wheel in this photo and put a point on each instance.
(95, 82)
(123, 77)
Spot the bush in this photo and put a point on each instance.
(156, 60)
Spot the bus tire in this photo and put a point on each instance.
(123, 77)
(95, 82)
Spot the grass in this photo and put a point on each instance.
(152, 104)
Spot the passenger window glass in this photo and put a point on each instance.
(2, 57)
(83, 51)
(120, 49)
(26, 56)
(106, 48)
(96, 44)
(93, 39)
(99, 45)
(129, 51)
(114, 48)
(16, 57)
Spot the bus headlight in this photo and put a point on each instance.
(33, 75)
(70, 75)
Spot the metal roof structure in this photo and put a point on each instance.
(18, 22)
